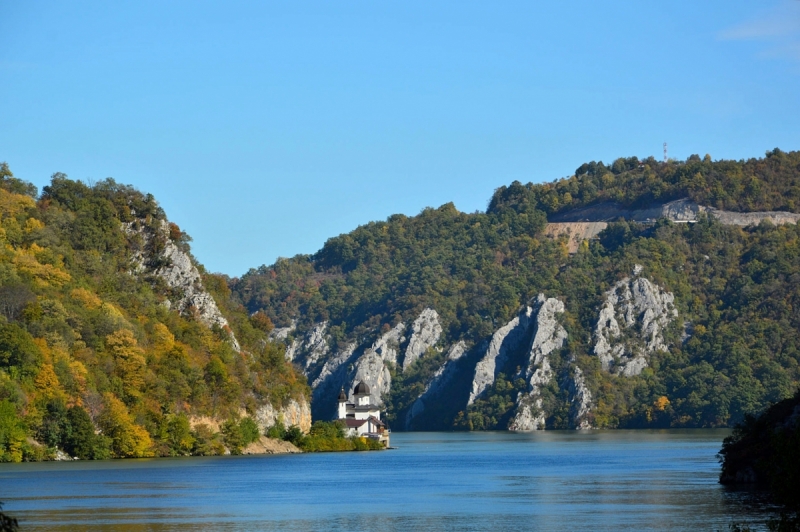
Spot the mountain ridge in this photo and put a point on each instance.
(477, 270)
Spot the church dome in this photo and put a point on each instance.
(361, 389)
(342, 396)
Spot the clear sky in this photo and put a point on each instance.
(264, 128)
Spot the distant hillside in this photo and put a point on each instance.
(112, 343)
(495, 320)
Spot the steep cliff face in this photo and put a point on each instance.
(159, 256)
(580, 400)
(315, 345)
(548, 335)
(426, 331)
(631, 324)
(504, 340)
(439, 381)
(294, 412)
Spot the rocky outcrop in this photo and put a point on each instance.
(426, 331)
(388, 345)
(293, 412)
(315, 345)
(439, 380)
(160, 256)
(504, 340)
(281, 333)
(373, 366)
(371, 369)
(548, 336)
(580, 400)
(333, 364)
(631, 324)
(291, 350)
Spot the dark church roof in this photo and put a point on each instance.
(342, 396)
(361, 389)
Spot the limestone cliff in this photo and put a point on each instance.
(294, 412)
(631, 324)
(425, 332)
(438, 382)
(504, 340)
(548, 335)
(156, 254)
(580, 400)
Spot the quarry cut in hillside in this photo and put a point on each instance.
(586, 223)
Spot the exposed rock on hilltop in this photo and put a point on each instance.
(112, 343)
(158, 255)
(682, 210)
(587, 222)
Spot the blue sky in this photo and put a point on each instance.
(264, 128)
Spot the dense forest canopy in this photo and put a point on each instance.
(92, 360)
(733, 350)
(771, 183)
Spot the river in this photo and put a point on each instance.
(549, 481)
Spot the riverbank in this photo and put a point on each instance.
(266, 445)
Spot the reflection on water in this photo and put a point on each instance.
(599, 480)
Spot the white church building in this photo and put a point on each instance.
(361, 417)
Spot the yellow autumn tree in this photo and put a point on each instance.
(128, 440)
(46, 383)
(86, 298)
(129, 363)
(162, 338)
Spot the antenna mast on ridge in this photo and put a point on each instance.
(665, 152)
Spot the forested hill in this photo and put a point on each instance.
(768, 184)
(112, 342)
(481, 321)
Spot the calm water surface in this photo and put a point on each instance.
(598, 480)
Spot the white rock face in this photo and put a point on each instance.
(504, 340)
(281, 333)
(387, 345)
(180, 274)
(371, 369)
(315, 345)
(548, 336)
(294, 413)
(333, 364)
(631, 323)
(426, 331)
(291, 350)
(437, 382)
(581, 399)
(373, 366)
